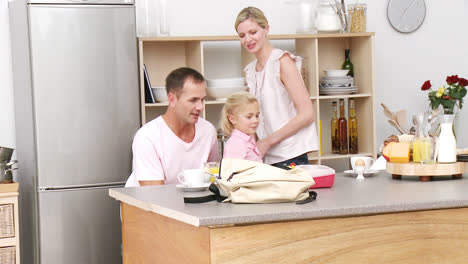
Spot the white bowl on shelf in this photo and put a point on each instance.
(224, 92)
(160, 94)
(336, 73)
(226, 82)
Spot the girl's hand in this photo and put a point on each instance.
(263, 146)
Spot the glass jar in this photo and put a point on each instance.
(423, 145)
(307, 16)
(357, 17)
(327, 18)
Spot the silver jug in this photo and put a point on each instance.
(6, 170)
(5, 154)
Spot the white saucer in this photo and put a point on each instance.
(193, 189)
(369, 172)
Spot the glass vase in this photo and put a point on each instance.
(447, 142)
(449, 111)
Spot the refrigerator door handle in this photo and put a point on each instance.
(85, 186)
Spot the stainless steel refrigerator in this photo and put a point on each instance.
(85, 97)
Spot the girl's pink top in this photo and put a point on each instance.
(242, 146)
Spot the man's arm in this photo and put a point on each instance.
(147, 165)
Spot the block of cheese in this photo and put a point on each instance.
(386, 151)
(400, 152)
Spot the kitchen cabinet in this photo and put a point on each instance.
(9, 224)
(320, 52)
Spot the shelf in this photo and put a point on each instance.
(209, 102)
(156, 105)
(273, 37)
(215, 102)
(340, 96)
(8, 242)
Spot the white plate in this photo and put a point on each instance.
(337, 93)
(370, 172)
(193, 189)
(224, 92)
(338, 89)
(337, 77)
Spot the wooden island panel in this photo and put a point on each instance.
(436, 236)
(151, 238)
(439, 236)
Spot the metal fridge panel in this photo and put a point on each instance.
(95, 2)
(85, 89)
(79, 226)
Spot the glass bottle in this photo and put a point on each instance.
(447, 142)
(347, 64)
(353, 129)
(342, 130)
(334, 131)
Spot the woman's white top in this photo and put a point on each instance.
(277, 108)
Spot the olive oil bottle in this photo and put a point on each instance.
(352, 128)
(334, 130)
(342, 130)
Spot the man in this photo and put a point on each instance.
(177, 140)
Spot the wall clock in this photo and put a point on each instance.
(406, 16)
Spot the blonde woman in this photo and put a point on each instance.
(240, 122)
(287, 129)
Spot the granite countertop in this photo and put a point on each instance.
(376, 194)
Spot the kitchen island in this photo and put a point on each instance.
(376, 220)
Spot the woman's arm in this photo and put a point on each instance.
(300, 96)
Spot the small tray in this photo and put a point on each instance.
(425, 172)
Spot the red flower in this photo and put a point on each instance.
(463, 82)
(427, 85)
(447, 97)
(452, 79)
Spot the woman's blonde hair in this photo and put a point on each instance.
(233, 104)
(253, 13)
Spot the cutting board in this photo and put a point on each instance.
(426, 171)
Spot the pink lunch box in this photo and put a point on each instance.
(323, 176)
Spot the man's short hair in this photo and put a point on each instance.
(176, 79)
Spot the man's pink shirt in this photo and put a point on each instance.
(242, 146)
(158, 154)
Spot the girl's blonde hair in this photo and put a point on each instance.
(233, 104)
(253, 13)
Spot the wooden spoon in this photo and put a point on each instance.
(389, 114)
(401, 118)
(395, 125)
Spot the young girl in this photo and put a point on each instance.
(287, 129)
(240, 122)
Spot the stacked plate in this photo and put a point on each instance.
(221, 88)
(337, 85)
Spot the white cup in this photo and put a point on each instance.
(367, 160)
(194, 177)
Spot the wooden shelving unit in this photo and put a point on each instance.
(320, 52)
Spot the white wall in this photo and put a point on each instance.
(7, 115)
(403, 61)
